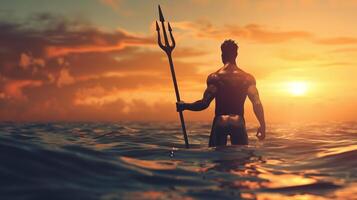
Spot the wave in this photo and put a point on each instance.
(131, 160)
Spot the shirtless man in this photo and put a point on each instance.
(230, 86)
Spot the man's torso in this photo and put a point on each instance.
(232, 89)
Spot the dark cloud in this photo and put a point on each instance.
(41, 47)
(47, 61)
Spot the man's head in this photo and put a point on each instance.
(229, 51)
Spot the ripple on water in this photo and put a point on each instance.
(147, 161)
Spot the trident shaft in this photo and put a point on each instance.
(168, 50)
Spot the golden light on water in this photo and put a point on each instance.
(297, 88)
(285, 180)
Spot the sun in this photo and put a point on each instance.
(297, 88)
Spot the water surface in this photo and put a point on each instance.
(148, 161)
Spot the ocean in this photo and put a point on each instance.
(137, 160)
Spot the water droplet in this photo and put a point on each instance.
(171, 154)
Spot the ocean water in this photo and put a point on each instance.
(148, 161)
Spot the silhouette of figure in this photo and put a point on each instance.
(229, 86)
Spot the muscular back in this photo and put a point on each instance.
(229, 86)
(231, 90)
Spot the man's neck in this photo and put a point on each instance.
(230, 65)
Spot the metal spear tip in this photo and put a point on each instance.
(170, 29)
(161, 15)
(157, 27)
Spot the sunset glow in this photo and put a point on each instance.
(61, 61)
(297, 88)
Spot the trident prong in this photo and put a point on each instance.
(172, 37)
(159, 37)
(167, 47)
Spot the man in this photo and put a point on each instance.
(230, 86)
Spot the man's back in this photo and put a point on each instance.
(229, 86)
(232, 88)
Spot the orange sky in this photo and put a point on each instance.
(99, 61)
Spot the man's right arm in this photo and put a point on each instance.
(203, 103)
(253, 95)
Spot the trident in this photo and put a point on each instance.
(168, 50)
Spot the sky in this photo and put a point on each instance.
(98, 60)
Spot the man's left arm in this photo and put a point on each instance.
(253, 95)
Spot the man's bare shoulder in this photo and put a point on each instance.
(249, 76)
(213, 78)
(250, 79)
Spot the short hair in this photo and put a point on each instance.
(229, 49)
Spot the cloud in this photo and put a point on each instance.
(97, 41)
(64, 78)
(54, 36)
(113, 3)
(14, 89)
(337, 64)
(251, 32)
(55, 69)
(258, 33)
(118, 6)
(338, 41)
(28, 61)
(25, 61)
(39, 50)
(201, 2)
(344, 50)
(298, 56)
